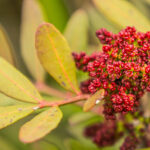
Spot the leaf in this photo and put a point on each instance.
(31, 18)
(76, 31)
(10, 114)
(41, 125)
(7, 101)
(16, 85)
(55, 56)
(6, 49)
(56, 12)
(91, 102)
(128, 14)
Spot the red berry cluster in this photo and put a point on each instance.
(122, 69)
(103, 134)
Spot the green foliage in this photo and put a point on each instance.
(123, 14)
(41, 125)
(6, 49)
(76, 31)
(31, 18)
(16, 85)
(11, 114)
(55, 56)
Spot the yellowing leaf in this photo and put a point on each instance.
(76, 31)
(16, 85)
(10, 114)
(123, 13)
(91, 102)
(55, 56)
(6, 49)
(41, 125)
(31, 18)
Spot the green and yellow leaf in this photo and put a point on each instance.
(76, 31)
(16, 85)
(128, 14)
(6, 49)
(31, 18)
(55, 56)
(11, 114)
(41, 125)
(91, 102)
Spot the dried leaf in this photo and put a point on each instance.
(123, 13)
(6, 49)
(91, 102)
(55, 56)
(16, 85)
(11, 114)
(77, 28)
(31, 18)
(41, 125)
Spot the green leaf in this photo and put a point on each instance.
(6, 49)
(55, 12)
(31, 18)
(41, 125)
(123, 13)
(16, 85)
(55, 56)
(76, 31)
(10, 114)
(91, 102)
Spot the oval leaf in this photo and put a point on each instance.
(41, 125)
(77, 28)
(55, 56)
(91, 102)
(6, 49)
(16, 85)
(10, 114)
(128, 14)
(31, 18)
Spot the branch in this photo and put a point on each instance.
(63, 102)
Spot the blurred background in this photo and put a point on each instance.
(78, 20)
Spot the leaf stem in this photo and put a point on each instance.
(42, 87)
(63, 102)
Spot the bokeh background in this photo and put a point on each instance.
(78, 20)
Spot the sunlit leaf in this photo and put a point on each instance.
(31, 18)
(91, 102)
(76, 31)
(6, 48)
(10, 114)
(55, 56)
(123, 13)
(16, 85)
(41, 125)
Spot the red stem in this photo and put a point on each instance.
(63, 102)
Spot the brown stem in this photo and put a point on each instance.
(42, 87)
(63, 102)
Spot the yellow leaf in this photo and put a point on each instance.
(91, 102)
(123, 13)
(10, 114)
(41, 125)
(31, 18)
(6, 48)
(55, 56)
(16, 85)
(76, 31)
